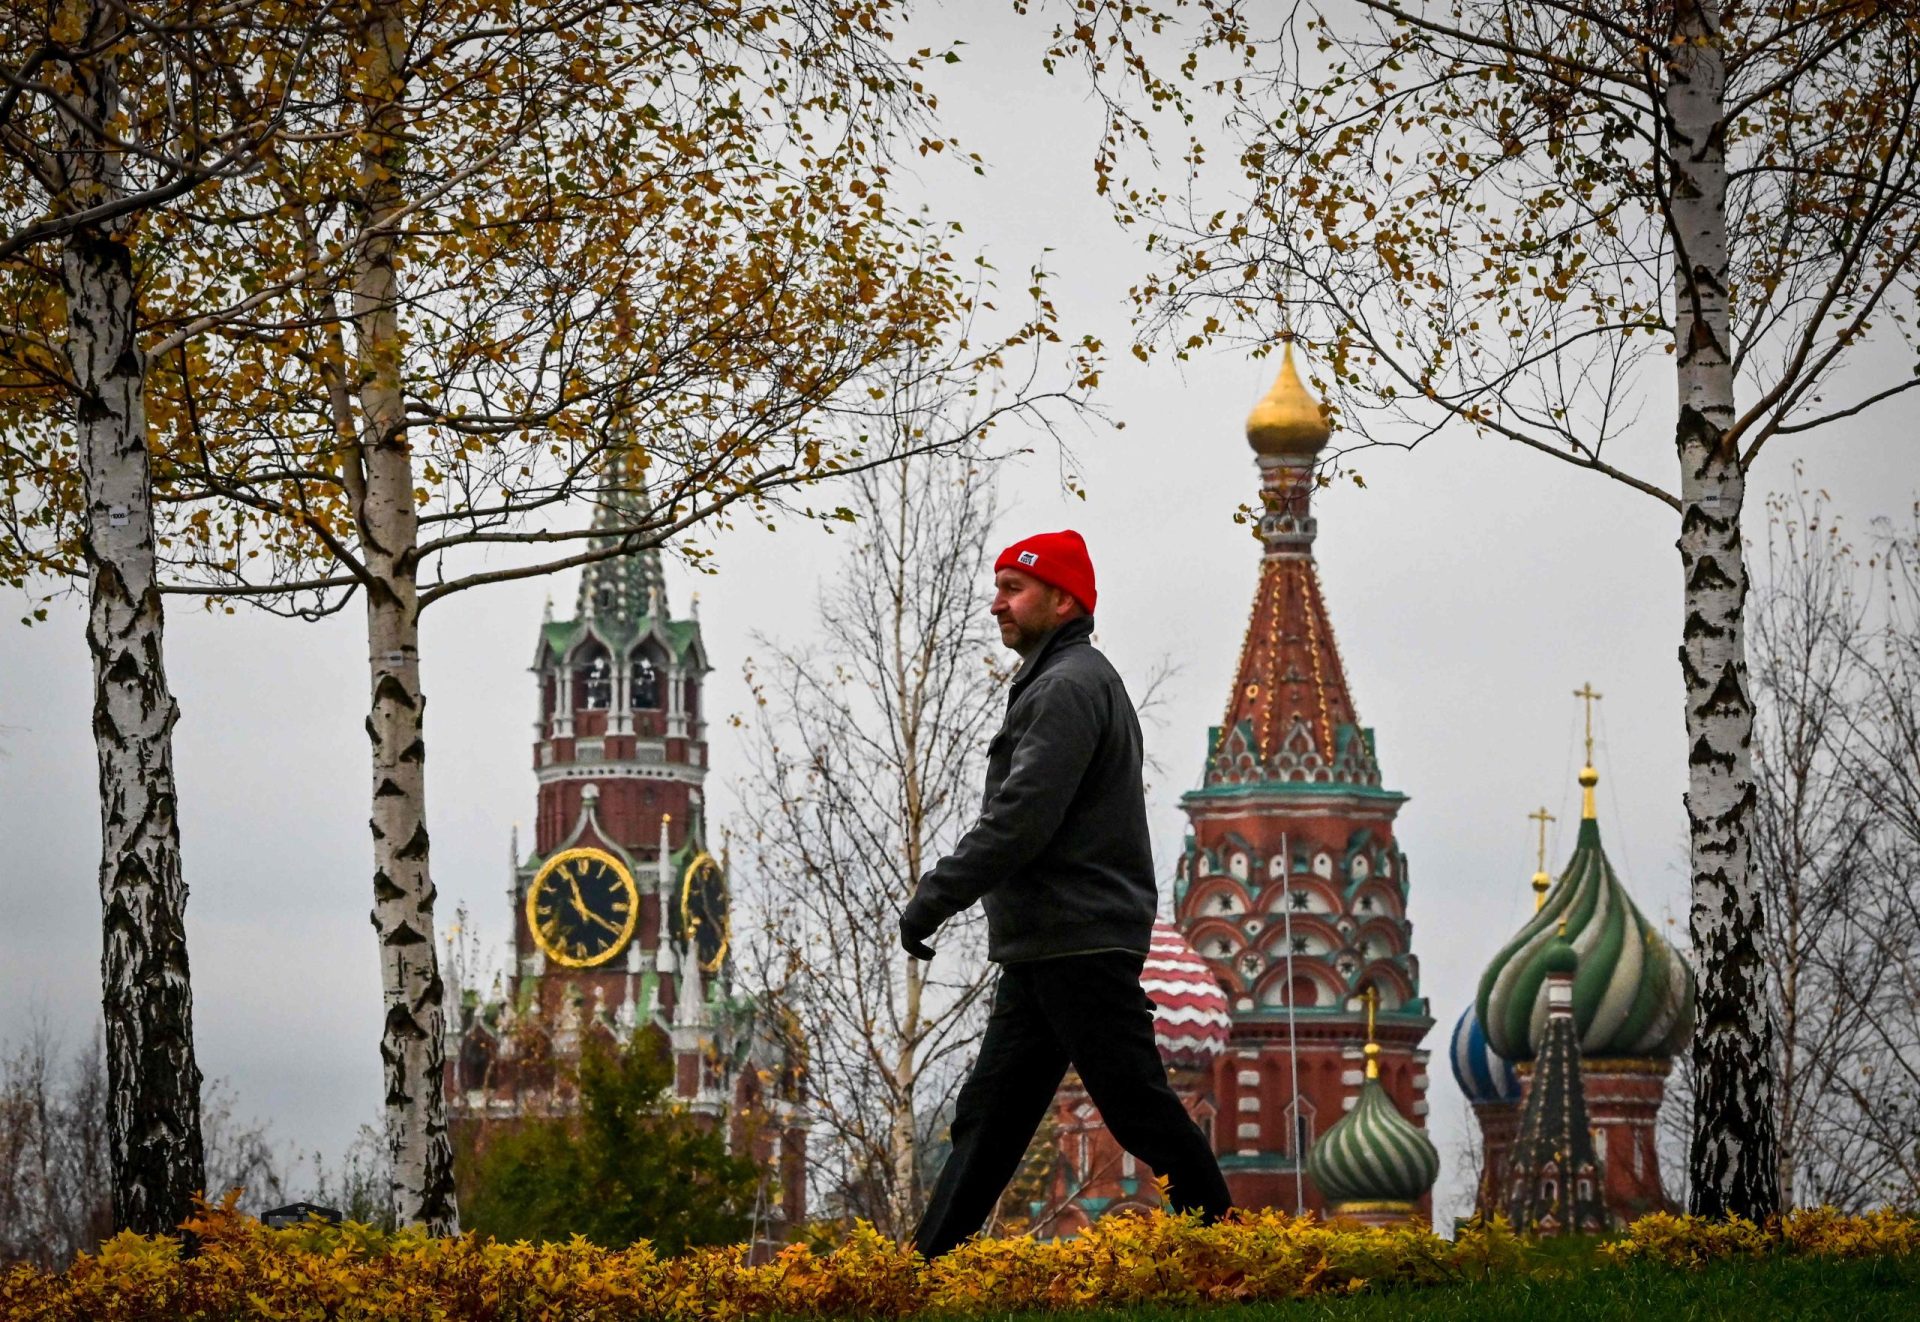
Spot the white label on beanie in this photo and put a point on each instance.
(1029, 558)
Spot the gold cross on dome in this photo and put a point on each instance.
(1542, 816)
(1540, 878)
(1586, 694)
(1372, 1049)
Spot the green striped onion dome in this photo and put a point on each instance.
(1374, 1154)
(1632, 995)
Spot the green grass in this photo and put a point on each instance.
(1862, 1291)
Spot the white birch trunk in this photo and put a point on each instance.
(905, 1138)
(153, 1082)
(412, 1047)
(1732, 1162)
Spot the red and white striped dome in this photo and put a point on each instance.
(1190, 1019)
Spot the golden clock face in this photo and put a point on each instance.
(703, 911)
(582, 907)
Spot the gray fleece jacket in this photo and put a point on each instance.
(1060, 858)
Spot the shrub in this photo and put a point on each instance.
(355, 1273)
(628, 1166)
(1818, 1232)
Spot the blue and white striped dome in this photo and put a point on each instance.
(1482, 1075)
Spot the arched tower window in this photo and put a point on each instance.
(593, 680)
(645, 684)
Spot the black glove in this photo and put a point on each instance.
(913, 938)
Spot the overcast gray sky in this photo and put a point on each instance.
(1473, 586)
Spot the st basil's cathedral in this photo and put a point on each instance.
(1286, 992)
(1630, 1013)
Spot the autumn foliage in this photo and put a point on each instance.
(1814, 1232)
(353, 1272)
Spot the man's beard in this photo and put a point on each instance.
(1023, 640)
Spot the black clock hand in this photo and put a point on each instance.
(580, 903)
(611, 927)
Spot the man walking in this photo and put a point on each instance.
(1061, 862)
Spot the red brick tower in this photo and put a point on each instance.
(1292, 886)
(621, 915)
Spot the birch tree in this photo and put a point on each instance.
(1839, 651)
(869, 743)
(523, 288)
(1811, 837)
(1520, 220)
(107, 111)
(1834, 641)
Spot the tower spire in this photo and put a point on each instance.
(1589, 776)
(1290, 715)
(1291, 828)
(1287, 430)
(1541, 879)
(1553, 1172)
(629, 586)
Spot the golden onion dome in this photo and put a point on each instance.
(1288, 421)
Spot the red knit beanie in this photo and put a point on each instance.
(1058, 559)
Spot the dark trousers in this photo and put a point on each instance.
(1088, 1011)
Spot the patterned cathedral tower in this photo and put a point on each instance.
(1632, 1007)
(1291, 885)
(621, 915)
(1551, 1175)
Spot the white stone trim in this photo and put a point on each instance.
(620, 771)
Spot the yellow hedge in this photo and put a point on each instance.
(350, 1273)
(1819, 1232)
(244, 1270)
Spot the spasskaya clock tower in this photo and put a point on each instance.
(621, 913)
